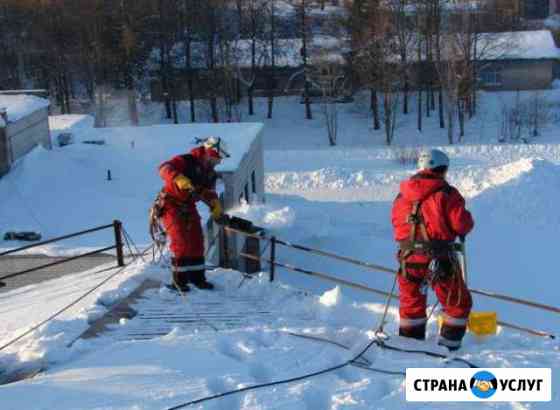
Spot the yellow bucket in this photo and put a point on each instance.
(483, 323)
(480, 323)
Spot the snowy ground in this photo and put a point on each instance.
(336, 199)
(187, 365)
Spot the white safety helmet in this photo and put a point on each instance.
(433, 158)
(215, 145)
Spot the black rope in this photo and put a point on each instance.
(355, 361)
(130, 251)
(129, 241)
(377, 370)
(384, 345)
(352, 362)
(259, 386)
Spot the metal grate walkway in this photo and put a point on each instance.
(151, 311)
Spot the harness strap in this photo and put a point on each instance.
(426, 245)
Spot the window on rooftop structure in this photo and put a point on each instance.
(491, 77)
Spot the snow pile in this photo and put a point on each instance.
(269, 216)
(331, 178)
(19, 106)
(331, 297)
(526, 191)
(70, 123)
(472, 181)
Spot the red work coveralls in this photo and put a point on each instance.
(443, 211)
(181, 219)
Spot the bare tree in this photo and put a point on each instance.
(209, 29)
(406, 36)
(187, 26)
(305, 34)
(271, 69)
(376, 62)
(328, 75)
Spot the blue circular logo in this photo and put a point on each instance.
(484, 384)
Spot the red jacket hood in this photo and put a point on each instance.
(421, 185)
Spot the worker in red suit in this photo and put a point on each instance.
(427, 216)
(190, 178)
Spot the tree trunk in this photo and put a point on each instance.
(21, 78)
(174, 111)
(167, 101)
(420, 109)
(214, 108)
(440, 109)
(375, 109)
(461, 118)
(191, 98)
(253, 63)
(270, 104)
(66, 92)
(270, 99)
(100, 107)
(308, 114)
(428, 92)
(72, 88)
(387, 116)
(450, 109)
(132, 107)
(250, 100)
(405, 103)
(469, 106)
(272, 58)
(432, 98)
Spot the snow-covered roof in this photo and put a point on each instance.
(19, 106)
(288, 52)
(518, 45)
(158, 143)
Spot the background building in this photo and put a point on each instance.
(27, 125)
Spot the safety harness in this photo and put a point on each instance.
(157, 233)
(436, 250)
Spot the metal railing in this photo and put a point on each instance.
(118, 246)
(274, 263)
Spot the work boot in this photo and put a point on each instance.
(180, 282)
(183, 287)
(203, 284)
(198, 279)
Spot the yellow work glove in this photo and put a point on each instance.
(216, 209)
(183, 183)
